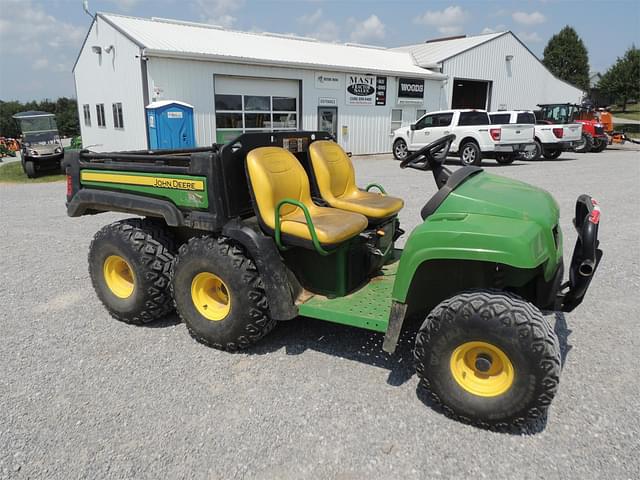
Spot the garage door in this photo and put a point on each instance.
(470, 94)
(247, 104)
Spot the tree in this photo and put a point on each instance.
(566, 57)
(622, 80)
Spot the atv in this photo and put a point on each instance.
(272, 226)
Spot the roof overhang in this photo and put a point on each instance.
(419, 72)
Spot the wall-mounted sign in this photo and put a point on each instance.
(361, 89)
(329, 81)
(174, 114)
(327, 102)
(381, 91)
(410, 88)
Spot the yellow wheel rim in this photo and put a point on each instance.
(482, 369)
(118, 276)
(210, 296)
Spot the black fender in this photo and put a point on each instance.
(280, 287)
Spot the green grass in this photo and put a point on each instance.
(12, 173)
(632, 113)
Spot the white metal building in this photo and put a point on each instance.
(495, 71)
(239, 81)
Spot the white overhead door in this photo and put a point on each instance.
(249, 104)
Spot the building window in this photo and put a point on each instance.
(236, 114)
(396, 119)
(118, 121)
(86, 110)
(100, 115)
(421, 112)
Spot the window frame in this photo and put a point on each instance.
(101, 119)
(118, 116)
(396, 122)
(270, 113)
(86, 112)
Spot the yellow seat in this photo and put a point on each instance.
(275, 174)
(336, 181)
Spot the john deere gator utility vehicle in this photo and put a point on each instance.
(273, 226)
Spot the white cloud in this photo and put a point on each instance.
(125, 5)
(498, 28)
(311, 18)
(533, 18)
(449, 21)
(33, 40)
(369, 29)
(218, 12)
(532, 37)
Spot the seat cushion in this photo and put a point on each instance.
(332, 226)
(335, 176)
(369, 204)
(275, 175)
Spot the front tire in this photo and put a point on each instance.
(586, 143)
(489, 358)
(598, 145)
(400, 149)
(533, 155)
(470, 154)
(218, 293)
(552, 155)
(30, 169)
(130, 266)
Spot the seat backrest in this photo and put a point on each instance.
(275, 174)
(333, 170)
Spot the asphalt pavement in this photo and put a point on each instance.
(84, 396)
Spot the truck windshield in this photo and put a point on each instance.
(474, 118)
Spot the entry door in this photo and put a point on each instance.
(328, 120)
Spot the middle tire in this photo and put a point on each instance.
(219, 294)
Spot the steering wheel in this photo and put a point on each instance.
(426, 156)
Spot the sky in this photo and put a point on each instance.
(40, 39)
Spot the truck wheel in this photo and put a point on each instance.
(30, 169)
(552, 155)
(470, 154)
(505, 159)
(533, 155)
(219, 294)
(489, 358)
(598, 145)
(130, 267)
(400, 150)
(586, 143)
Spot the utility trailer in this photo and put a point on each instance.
(273, 226)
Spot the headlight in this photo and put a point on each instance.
(58, 150)
(32, 152)
(599, 125)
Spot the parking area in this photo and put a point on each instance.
(84, 396)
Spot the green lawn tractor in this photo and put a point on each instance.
(273, 226)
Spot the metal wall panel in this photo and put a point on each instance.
(108, 78)
(521, 83)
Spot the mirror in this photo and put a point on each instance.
(412, 126)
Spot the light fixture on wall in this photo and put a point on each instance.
(97, 49)
(508, 58)
(109, 49)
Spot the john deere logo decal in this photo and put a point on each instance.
(172, 183)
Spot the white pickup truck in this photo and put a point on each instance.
(475, 138)
(550, 139)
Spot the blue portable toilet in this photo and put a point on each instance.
(170, 125)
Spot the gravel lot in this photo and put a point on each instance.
(84, 396)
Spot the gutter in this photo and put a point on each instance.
(273, 63)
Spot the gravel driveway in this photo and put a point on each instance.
(84, 396)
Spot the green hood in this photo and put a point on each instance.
(487, 194)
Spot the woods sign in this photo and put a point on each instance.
(361, 89)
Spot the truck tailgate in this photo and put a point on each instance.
(516, 133)
(572, 132)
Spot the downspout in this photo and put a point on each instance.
(145, 92)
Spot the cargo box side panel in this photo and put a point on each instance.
(185, 191)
